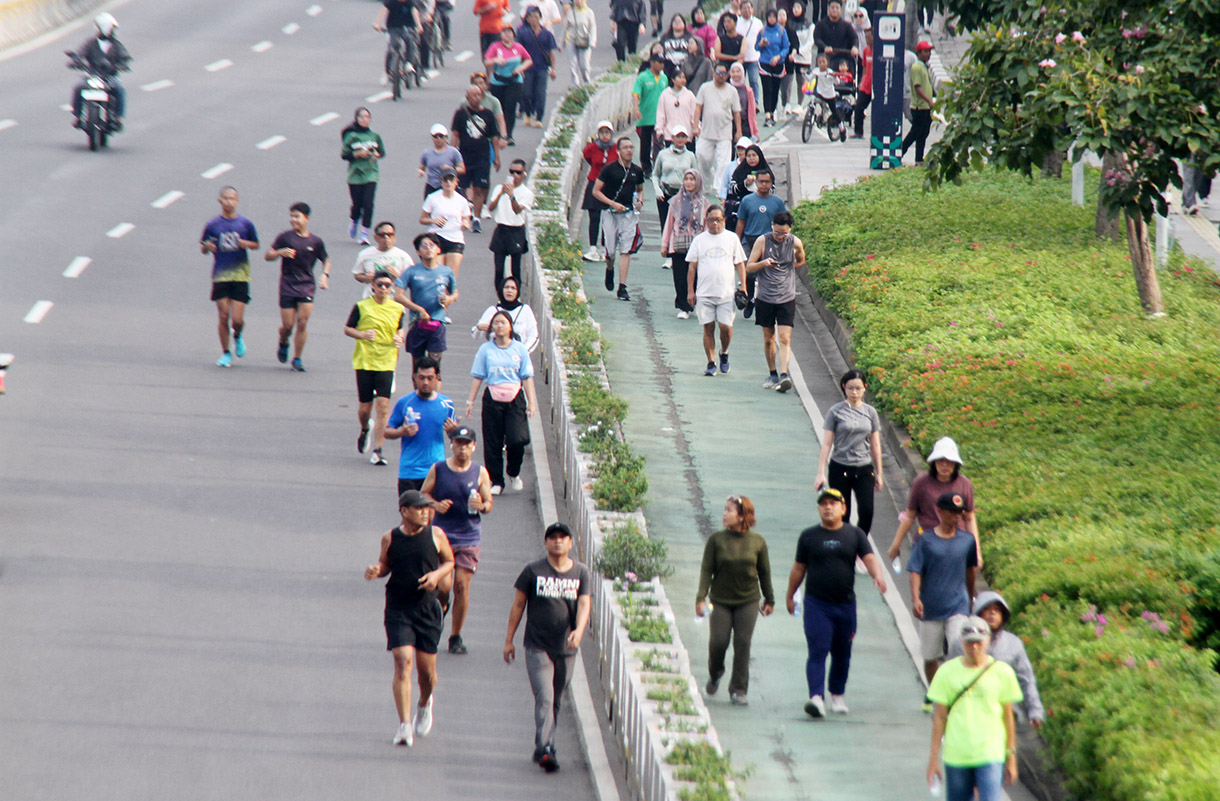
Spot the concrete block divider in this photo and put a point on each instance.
(646, 729)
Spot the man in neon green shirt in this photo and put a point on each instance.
(974, 694)
(644, 96)
(376, 325)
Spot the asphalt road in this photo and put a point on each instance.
(182, 612)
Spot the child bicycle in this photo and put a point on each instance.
(830, 115)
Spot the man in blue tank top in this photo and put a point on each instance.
(461, 492)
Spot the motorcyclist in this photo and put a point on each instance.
(106, 58)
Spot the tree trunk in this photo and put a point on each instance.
(1106, 224)
(1052, 164)
(1140, 247)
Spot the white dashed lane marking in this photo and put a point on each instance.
(168, 198)
(77, 266)
(219, 169)
(217, 66)
(262, 47)
(157, 85)
(271, 142)
(322, 119)
(38, 311)
(121, 230)
(465, 55)
(377, 98)
(313, 11)
(6, 124)
(290, 28)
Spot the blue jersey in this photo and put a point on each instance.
(427, 447)
(231, 262)
(758, 212)
(424, 287)
(496, 365)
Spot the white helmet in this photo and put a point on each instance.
(106, 23)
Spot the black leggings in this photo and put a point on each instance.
(505, 428)
(862, 101)
(627, 39)
(508, 94)
(680, 268)
(859, 480)
(498, 257)
(595, 226)
(770, 87)
(647, 134)
(362, 202)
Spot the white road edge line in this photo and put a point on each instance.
(313, 11)
(262, 47)
(6, 124)
(38, 311)
(77, 266)
(290, 29)
(219, 169)
(322, 119)
(465, 55)
(586, 714)
(165, 200)
(271, 142)
(121, 230)
(377, 98)
(164, 83)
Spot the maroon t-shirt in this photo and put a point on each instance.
(925, 490)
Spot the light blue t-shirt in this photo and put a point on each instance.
(941, 564)
(427, 447)
(758, 212)
(496, 365)
(424, 287)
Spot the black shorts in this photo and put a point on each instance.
(419, 627)
(769, 315)
(421, 341)
(293, 303)
(233, 290)
(374, 383)
(477, 175)
(450, 247)
(405, 484)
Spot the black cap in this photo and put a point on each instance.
(557, 530)
(951, 502)
(463, 432)
(413, 499)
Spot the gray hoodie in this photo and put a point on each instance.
(1007, 647)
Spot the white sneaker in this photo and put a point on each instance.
(515, 483)
(814, 707)
(1204, 203)
(683, 314)
(838, 704)
(496, 489)
(423, 717)
(592, 254)
(405, 736)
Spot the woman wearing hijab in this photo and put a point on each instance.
(742, 182)
(859, 24)
(749, 116)
(697, 67)
(772, 44)
(800, 44)
(684, 221)
(525, 325)
(362, 150)
(700, 29)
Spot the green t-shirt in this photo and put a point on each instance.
(920, 77)
(974, 732)
(362, 170)
(649, 88)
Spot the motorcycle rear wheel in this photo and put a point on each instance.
(93, 126)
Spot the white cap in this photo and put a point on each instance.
(744, 142)
(106, 23)
(605, 124)
(679, 129)
(945, 448)
(439, 129)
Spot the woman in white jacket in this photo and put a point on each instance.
(525, 325)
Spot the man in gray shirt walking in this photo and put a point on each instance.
(775, 257)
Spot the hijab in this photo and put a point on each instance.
(692, 206)
(355, 125)
(797, 21)
(509, 305)
(744, 169)
(743, 88)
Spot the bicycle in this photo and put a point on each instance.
(434, 41)
(401, 59)
(830, 115)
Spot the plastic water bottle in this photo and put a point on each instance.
(699, 620)
(897, 565)
(471, 501)
(798, 607)
(935, 787)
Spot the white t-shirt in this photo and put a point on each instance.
(749, 37)
(717, 256)
(825, 83)
(370, 260)
(718, 104)
(452, 209)
(503, 213)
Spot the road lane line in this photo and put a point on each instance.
(121, 230)
(313, 11)
(65, 107)
(6, 124)
(165, 83)
(77, 267)
(262, 47)
(219, 169)
(377, 98)
(465, 55)
(290, 28)
(165, 200)
(322, 119)
(271, 142)
(38, 311)
(217, 66)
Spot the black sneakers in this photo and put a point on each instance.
(622, 292)
(547, 761)
(609, 279)
(456, 646)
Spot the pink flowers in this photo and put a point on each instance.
(1139, 69)
(1155, 621)
(1060, 38)
(1078, 37)
(1049, 63)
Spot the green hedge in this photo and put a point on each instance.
(989, 312)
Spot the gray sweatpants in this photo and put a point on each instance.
(549, 676)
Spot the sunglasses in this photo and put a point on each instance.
(442, 136)
(517, 172)
(384, 233)
(382, 285)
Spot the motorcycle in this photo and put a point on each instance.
(96, 109)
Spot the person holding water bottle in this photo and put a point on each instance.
(461, 492)
(735, 567)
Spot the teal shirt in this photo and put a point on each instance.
(649, 88)
(362, 171)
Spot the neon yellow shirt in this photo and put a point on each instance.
(974, 732)
(381, 354)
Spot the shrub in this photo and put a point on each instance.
(621, 483)
(627, 550)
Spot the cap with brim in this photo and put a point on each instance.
(439, 129)
(679, 129)
(413, 499)
(924, 46)
(744, 141)
(951, 502)
(605, 124)
(462, 432)
(945, 448)
(975, 629)
(448, 173)
(831, 493)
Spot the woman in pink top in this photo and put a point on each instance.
(864, 93)
(506, 61)
(676, 107)
(700, 28)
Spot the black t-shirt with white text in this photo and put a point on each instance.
(550, 609)
(829, 558)
(475, 128)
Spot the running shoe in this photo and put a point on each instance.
(353, 228)
(423, 718)
(281, 353)
(772, 382)
(496, 489)
(838, 704)
(476, 226)
(710, 372)
(225, 360)
(377, 458)
(785, 383)
(362, 441)
(622, 292)
(724, 363)
(592, 254)
(609, 279)
(712, 686)
(239, 346)
(456, 646)
(683, 314)
(515, 483)
(814, 707)
(548, 762)
(748, 311)
(404, 736)
(297, 365)
(739, 699)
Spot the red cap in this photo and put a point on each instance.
(924, 45)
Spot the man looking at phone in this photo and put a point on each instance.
(775, 257)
